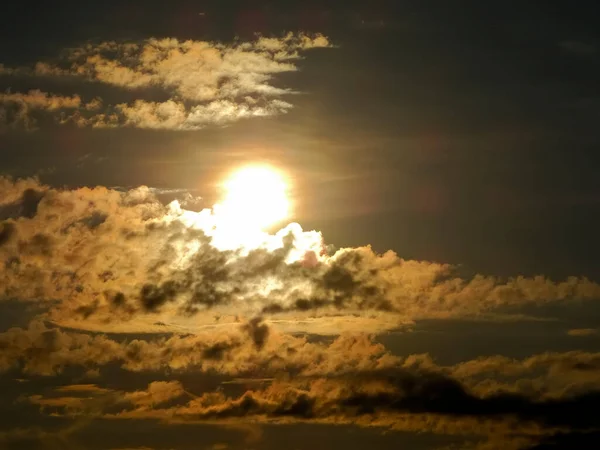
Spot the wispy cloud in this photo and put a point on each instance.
(209, 83)
(582, 332)
(20, 110)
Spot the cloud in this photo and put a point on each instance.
(567, 441)
(68, 404)
(173, 115)
(400, 398)
(46, 351)
(219, 446)
(259, 332)
(236, 357)
(133, 448)
(245, 315)
(121, 261)
(158, 393)
(195, 70)
(83, 388)
(115, 258)
(582, 332)
(41, 100)
(248, 350)
(208, 83)
(351, 380)
(22, 110)
(549, 375)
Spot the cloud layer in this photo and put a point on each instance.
(355, 381)
(244, 314)
(208, 83)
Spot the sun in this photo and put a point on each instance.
(250, 215)
(255, 197)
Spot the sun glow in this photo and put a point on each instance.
(256, 196)
(254, 200)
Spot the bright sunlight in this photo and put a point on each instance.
(255, 197)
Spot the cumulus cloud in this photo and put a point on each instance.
(46, 351)
(209, 83)
(250, 350)
(112, 257)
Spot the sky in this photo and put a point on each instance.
(309, 225)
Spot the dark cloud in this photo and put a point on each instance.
(7, 230)
(258, 331)
(39, 244)
(401, 399)
(433, 393)
(153, 297)
(411, 392)
(219, 350)
(567, 441)
(26, 206)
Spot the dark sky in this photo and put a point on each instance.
(455, 132)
